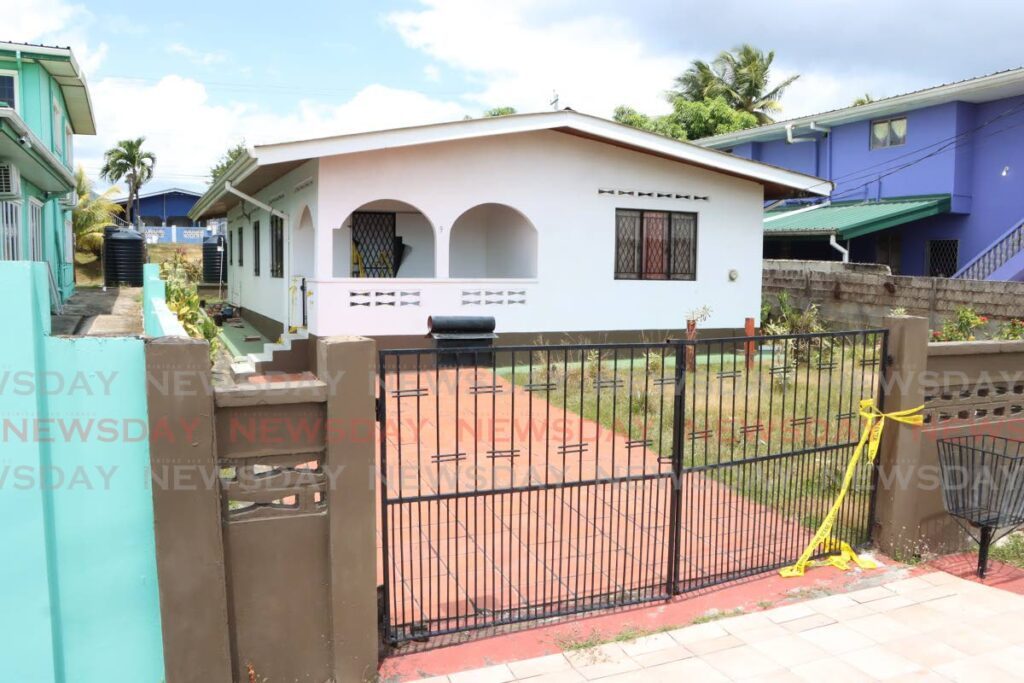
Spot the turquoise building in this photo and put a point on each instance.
(44, 103)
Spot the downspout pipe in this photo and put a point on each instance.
(255, 202)
(838, 247)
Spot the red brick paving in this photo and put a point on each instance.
(457, 561)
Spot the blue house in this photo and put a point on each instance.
(929, 183)
(164, 215)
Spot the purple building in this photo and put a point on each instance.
(930, 182)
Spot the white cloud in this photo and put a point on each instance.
(54, 22)
(197, 56)
(187, 140)
(593, 62)
(432, 73)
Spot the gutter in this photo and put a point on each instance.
(228, 187)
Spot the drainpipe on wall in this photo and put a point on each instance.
(838, 247)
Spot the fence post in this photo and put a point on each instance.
(187, 512)
(897, 522)
(347, 365)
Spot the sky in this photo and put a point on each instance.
(195, 78)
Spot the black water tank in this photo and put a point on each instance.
(124, 252)
(214, 268)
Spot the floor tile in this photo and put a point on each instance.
(706, 647)
(880, 663)
(489, 674)
(836, 638)
(870, 594)
(692, 634)
(925, 650)
(880, 627)
(647, 644)
(671, 654)
(539, 665)
(804, 623)
(788, 613)
(790, 651)
(743, 662)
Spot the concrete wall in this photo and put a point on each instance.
(79, 590)
(552, 179)
(863, 294)
(157, 319)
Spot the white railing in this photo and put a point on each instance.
(1008, 245)
(381, 306)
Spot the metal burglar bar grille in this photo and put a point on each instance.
(373, 238)
(276, 246)
(608, 475)
(655, 245)
(942, 257)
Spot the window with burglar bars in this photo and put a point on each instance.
(373, 244)
(942, 257)
(276, 246)
(256, 248)
(35, 230)
(10, 231)
(655, 245)
(241, 246)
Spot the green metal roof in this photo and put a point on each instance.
(847, 220)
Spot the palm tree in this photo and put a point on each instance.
(866, 98)
(745, 76)
(92, 213)
(126, 160)
(740, 76)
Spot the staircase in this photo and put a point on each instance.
(1003, 260)
(287, 354)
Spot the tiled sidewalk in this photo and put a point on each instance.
(933, 627)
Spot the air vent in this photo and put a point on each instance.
(10, 181)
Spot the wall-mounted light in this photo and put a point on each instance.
(734, 275)
(1006, 171)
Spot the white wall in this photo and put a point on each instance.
(492, 241)
(553, 180)
(264, 294)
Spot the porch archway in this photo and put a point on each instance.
(385, 238)
(492, 241)
(303, 245)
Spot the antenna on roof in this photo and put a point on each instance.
(554, 100)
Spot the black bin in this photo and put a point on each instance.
(214, 266)
(124, 252)
(465, 340)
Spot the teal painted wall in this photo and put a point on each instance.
(78, 582)
(157, 319)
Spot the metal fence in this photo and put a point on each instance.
(529, 482)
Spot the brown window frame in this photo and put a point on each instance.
(256, 248)
(641, 261)
(276, 246)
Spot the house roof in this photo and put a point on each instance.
(995, 86)
(60, 63)
(264, 163)
(157, 193)
(847, 220)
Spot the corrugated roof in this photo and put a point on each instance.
(852, 219)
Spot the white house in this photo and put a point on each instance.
(552, 222)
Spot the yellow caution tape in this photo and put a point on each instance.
(871, 437)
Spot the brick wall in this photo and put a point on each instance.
(863, 294)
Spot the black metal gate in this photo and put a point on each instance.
(530, 482)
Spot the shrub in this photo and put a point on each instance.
(91, 243)
(961, 327)
(180, 275)
(1013, 330)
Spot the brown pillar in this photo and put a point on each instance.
(347, 365)
(186, 511)
(898, 530)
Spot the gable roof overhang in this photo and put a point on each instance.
(60, 63)
(988, 88)
(264, 163)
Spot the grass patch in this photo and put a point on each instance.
(715, 615)
(1010, 550)
(88, 270)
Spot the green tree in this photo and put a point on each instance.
(690, 120)
(226, 160)
(129, 162)
(93, 212)
(866, 98)
(741, 76)
(500, 111)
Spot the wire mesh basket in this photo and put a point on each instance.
(983, 487)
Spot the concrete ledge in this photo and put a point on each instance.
(301, 391)
(974, 348)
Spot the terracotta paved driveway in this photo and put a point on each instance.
(462, 560)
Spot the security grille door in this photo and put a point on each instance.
(373, 240)
(942, 257)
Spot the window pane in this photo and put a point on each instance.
(683, 247)
(879, 134)
(7, 94)
(897, 131)
(627, 244)
(655, 245)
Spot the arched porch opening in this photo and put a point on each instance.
(492, 241)
(385, 238)
(303, 245)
